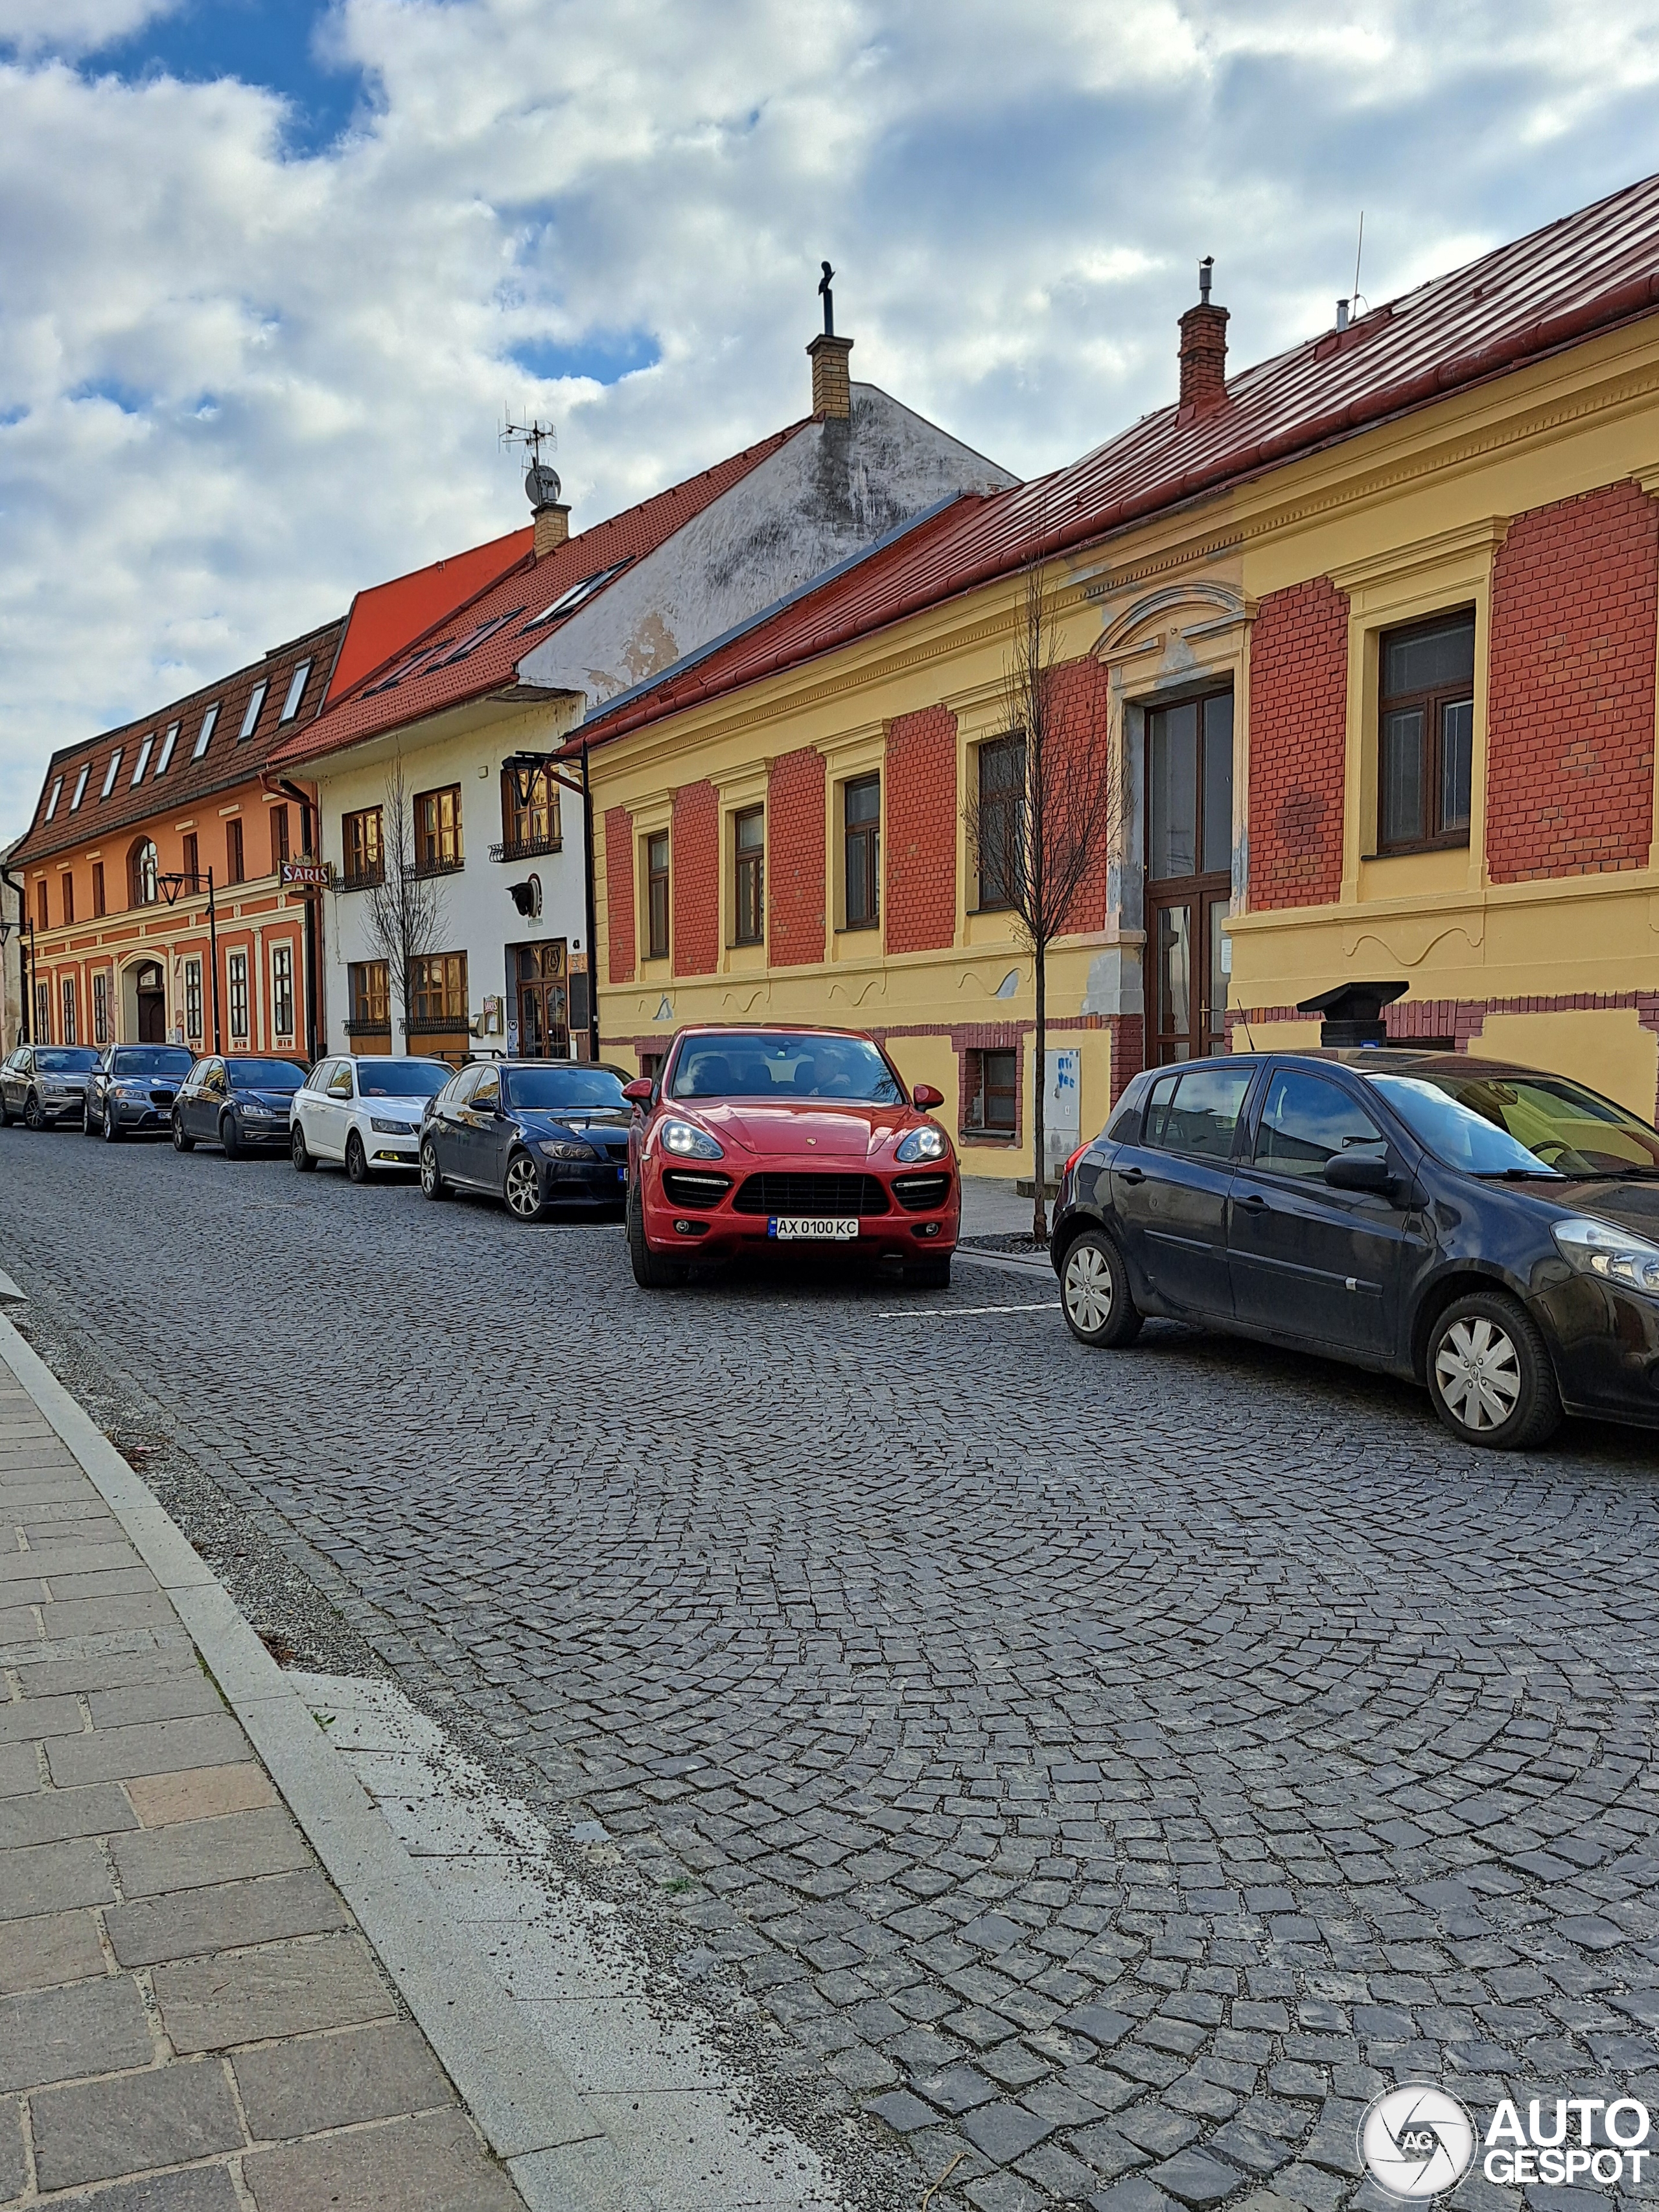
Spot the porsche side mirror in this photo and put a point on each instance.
(927, 1098)
(638, 1092)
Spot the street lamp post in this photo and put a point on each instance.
(170, 886)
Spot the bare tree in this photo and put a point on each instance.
(1045, 815)
(406, 920)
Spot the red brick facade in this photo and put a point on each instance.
(619, 892)
(920, 895)
(1298, 725)
(694, 881)
(1570, 687)
(1081, 698)
(794, 859)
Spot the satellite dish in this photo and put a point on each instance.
(541, 485)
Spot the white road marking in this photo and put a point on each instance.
(949, 1313)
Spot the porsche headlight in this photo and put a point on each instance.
(927, 1143)
(688, 1144)
(1596, 1247)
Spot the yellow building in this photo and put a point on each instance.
(1366, 635)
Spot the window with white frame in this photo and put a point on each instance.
(236, 976)
(193, 998)
(281, 989)
(101, 1008)
(71, 1033)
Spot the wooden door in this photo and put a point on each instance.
(1189, 820)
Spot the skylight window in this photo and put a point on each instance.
(296, 691)
(205, 737)
(475, 638)
(114, 770)
(568, 602)
(141, 763)
(250, 721)
(51, 804)
(168, 744)
(81, 786)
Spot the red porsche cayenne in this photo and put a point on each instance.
(779, 1139)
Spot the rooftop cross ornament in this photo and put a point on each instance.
(828, 299)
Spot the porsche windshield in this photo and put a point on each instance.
(753, 1064)
(1502, 1124)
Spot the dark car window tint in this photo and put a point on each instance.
(401, 1078)
(156, 1060)
(1124, 1126)
(487, 1091)
(1197, 1113)
(555, 1089)
(1306, 1122)
(72, 1061)
(1489, 1124)
(265, 1075)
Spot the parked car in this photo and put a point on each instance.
(237, 1101)
(365, 1110)
(133, 1088)
(45, 1083)
(1484, 1228)
(756, 1140)
(535, 1133)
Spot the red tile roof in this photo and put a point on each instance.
(230, 759)
(387, 617)
(1583, 274)
(475, 649)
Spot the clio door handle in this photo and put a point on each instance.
(1133, 1175)
(1255, 1202)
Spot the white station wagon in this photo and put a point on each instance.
(365, 1111)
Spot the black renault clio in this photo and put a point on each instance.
(1486, 1229)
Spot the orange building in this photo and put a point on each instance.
(151, 872)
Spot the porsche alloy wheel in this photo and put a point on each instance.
(523, 1187)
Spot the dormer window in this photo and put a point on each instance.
(141, 763)
(114, 770)
(168, 744)
(52, 802)
(296, 691)
(81, 786)
(205, 737)
(250, 721)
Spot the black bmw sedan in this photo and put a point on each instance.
(536, 1132)
(1486, 1230)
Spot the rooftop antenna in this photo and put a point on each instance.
(1358, 250)
(541, 482)
(827, 298)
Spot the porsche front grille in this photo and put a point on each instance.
(812, 1194)
(922, 1194)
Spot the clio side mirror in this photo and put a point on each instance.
(927, 1098)
(1358, 1171)
(638, 1092)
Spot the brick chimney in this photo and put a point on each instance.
(1203, 349)
(832, 380)
(552, 527)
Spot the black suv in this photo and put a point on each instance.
(1486, 1229)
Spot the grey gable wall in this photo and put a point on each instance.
(833, 489)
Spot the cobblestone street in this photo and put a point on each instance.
(1108, 1770)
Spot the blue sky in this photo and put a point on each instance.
(271, 271)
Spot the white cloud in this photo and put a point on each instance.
(234, 385)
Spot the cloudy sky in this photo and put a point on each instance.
(271, 269)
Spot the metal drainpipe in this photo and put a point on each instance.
(24, 932)
(592, 914)
(313, 978)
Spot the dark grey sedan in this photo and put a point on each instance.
(239, 1102)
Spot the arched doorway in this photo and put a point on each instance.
(543, 1010)
(147, 1003)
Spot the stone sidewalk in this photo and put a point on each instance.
(191, 2020)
